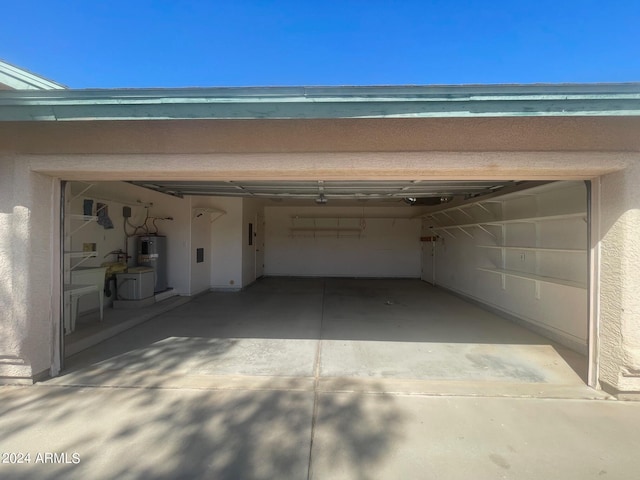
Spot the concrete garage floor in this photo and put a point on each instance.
(339, 331)
(314, 378)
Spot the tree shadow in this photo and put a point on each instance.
(138, 433)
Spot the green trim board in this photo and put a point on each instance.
(323, 102)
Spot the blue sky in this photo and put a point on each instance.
(145, 43)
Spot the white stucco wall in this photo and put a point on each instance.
(28, 231)
(620, 279)
(29, 295)
(387, 245)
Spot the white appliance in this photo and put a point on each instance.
(136, 284)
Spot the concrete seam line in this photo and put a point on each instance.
(316, 381)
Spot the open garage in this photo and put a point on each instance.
(434, 282)
(413, 214)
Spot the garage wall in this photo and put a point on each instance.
(341, 241)
(470, 260)
(200, 239)
(229, 260)
(619, 232)
(250, 210)
(117, 194)
(226, 243)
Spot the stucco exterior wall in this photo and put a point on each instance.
(29, 228)
(29, 295)
(620, 280)
(539, 134)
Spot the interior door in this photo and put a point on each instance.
(428, 262)
(258, 233)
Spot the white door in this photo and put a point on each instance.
(428, 262)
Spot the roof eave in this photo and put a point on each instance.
(17, 78)
(322, 102)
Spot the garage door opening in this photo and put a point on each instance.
(406, 260)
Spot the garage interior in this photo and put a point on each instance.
(470, 281)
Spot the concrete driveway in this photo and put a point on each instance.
(283, 381)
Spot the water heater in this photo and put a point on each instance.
(152, 252)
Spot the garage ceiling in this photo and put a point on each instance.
(411, 191)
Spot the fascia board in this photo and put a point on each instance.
(20, 79)
(323, 102)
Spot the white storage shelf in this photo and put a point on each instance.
(325, 232)
(535, 249)
(83, 256)
(85, 219)
(449, 229)
(541, 250)
(534, 277)
(315, 226)
(510, 221)
(501, 199)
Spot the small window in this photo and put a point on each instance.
(199, 255)
(251, 234)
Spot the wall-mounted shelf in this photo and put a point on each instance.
(314, 232)
(84, 256)
(535, 249)
(330, 226)
(534, 277)
(81, 254)
(514, 220)
(89, 186)
(368, 217)
(85, 219)
(462, 227)
(500, 199)
(548, 218)
(214, 213)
